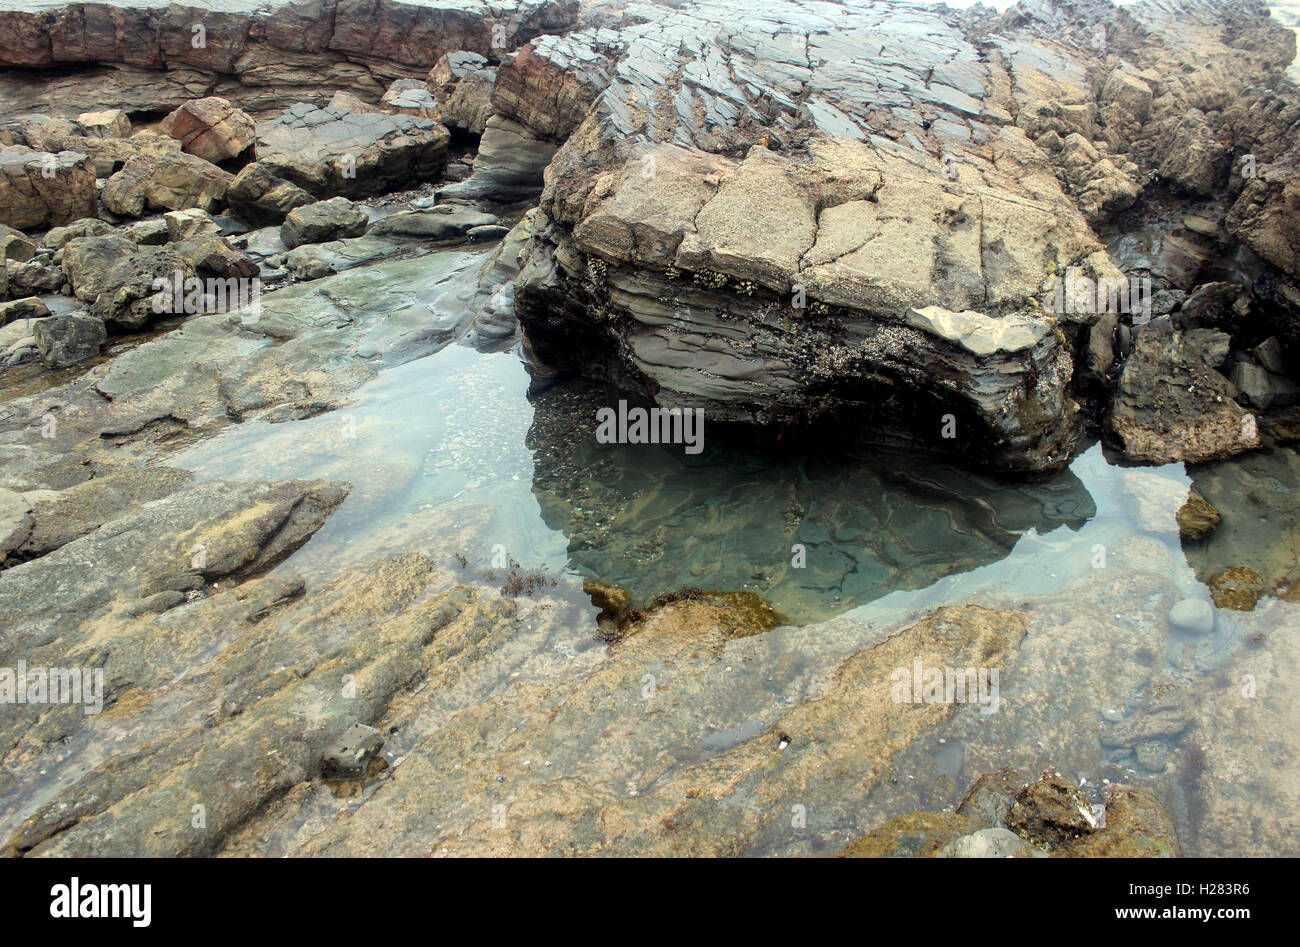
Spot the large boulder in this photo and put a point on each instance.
(132, 296)
(333, 219)
(211, 128)
(257, 196)
(332, 152)
(40, 189)
(166, 182)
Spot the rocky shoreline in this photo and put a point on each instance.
(993, 239)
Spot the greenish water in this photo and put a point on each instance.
(447, 453)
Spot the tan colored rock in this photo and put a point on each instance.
(167, 182)
(211, 128)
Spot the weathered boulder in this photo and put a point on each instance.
(87, 227)
(28, 307)
(333, 219)
(86, 261)
(15, 245)
(1171, 403)
(66, 340)
(211, 128)
(166, 182)
(192, 222)
(130, 297)
(107, 123)
(259, 197)
(332, 152)
(39, 189)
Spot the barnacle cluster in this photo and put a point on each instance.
(746, 287)
(710, 279)
(596, 267)
(672, 272)
(818, 308)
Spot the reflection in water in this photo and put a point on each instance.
(813, 535)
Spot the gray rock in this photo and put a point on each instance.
(349, 756)
(1261, 388)
(86, 227)
(442, 222)
(67, 340)
(334, 219)
(332, 151)
(15, 245)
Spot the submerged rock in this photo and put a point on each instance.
(1050, 812)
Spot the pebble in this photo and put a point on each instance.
(1193, 615)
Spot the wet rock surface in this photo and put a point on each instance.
(815, 219)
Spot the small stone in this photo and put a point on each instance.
(989, 843)
(349, 756)
(1192, 615)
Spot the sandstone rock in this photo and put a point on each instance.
(66, 340)
(127, 294)
(14, 245)
(259, 197)
(211, 128)
(149, 233)
(211, 255)
(508, 166)
(350, 103)
(332, 152)
(192, 222)
(467, 104)
(108, 123)
(86, 261)
(88, 227)
(15, 522)
(39, 189)
(33, 279)
(333, 219)
(410, 97)
(169, 182)
(27, 308)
